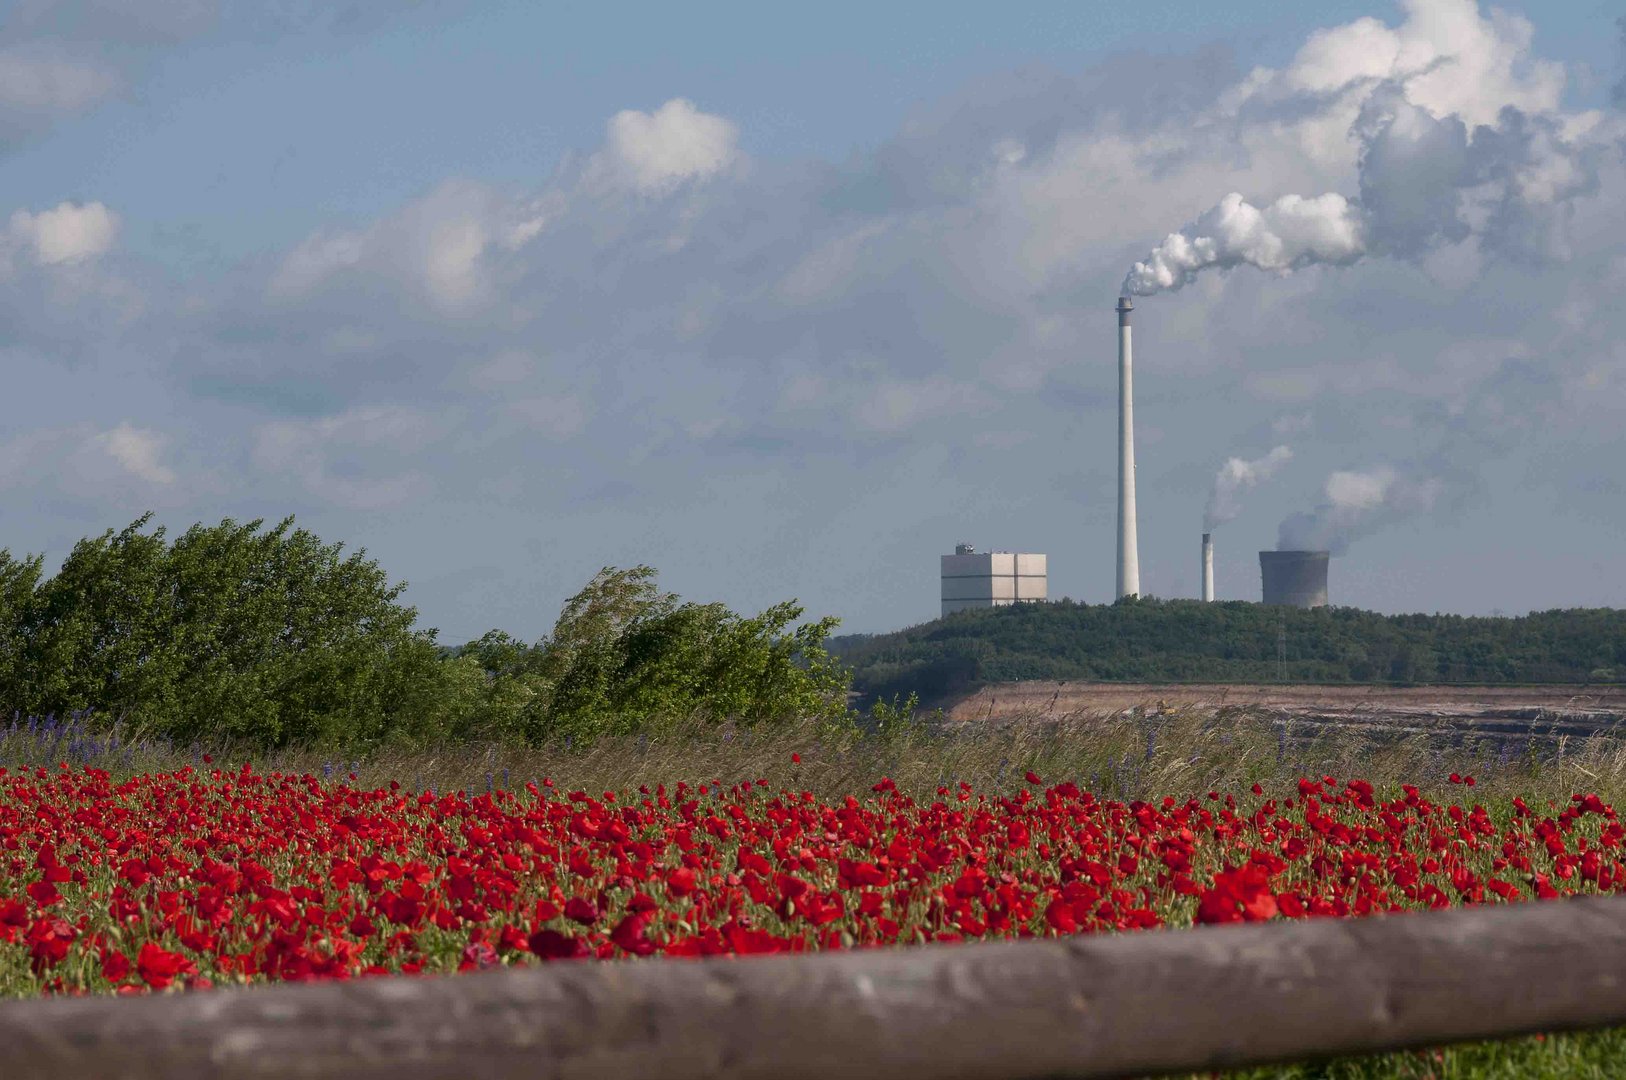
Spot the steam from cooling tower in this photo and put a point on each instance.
(1355, 504)
(1235, 477)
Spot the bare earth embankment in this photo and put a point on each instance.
(1484, 710)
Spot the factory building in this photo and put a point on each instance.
(1294, 578)
(973, 579)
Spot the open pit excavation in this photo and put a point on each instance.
(1456, 713)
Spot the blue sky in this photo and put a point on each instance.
(785, 303)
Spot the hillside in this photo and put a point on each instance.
(1233, 642)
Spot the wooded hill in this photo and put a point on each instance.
(1150, 640)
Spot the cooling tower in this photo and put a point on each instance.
(1128, 553)
(1208, 568)
(1294, 578)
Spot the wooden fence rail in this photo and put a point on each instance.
(1094, 1006)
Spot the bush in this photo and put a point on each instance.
(625, 656)
(270, 638)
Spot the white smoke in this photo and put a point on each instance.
(1235, 477)
(1354, 504)
(1289, 233)
(1458, 134)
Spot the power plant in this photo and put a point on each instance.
(1128, 545)
(973, 579)
(1294, 578)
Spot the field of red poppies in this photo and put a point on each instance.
(199, 878)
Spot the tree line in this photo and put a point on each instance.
(1149, 640)
(267, 636)
(270, 637)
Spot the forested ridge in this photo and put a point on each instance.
(1150, 640)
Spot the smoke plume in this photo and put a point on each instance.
(1426, 177)
(1289, 233)
(1235, 477)
(1353, 505)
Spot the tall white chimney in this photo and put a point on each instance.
(1208, 568)
(1128, 546)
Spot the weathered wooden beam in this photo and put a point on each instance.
(1097, 1006)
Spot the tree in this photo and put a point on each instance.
(18, 580)
(624, 655)
(268, 636)
(1181, 640)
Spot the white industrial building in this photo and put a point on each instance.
(973, 579)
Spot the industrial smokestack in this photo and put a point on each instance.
(1294, 578)
(1208, 568)
(1128, 545)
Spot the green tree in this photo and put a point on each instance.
(1181, 640)
(19, 578)
(624, 655)
(264, 635)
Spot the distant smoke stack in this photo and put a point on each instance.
(1208, 568)
(1128, 545)
(1294, 578)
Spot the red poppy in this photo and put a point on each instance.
(158, 968)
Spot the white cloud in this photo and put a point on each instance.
(652, 152)
(434, 248)
(1452, 60)
(87, 461)
(71, 232)
(351, 459)
(137, 451)
(830, 268)
(37, 83)
(1452, 130)
(452, 259)
(895, 405)
(1331, 59)
(523, 232)
(315, 258)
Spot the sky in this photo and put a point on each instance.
(786, 303)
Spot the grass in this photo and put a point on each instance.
(1138, 754)
(1574, 1056)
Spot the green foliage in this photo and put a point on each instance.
(268, 637)
(229, 632)
(1148, 640)
(625, 656)
(895, 718)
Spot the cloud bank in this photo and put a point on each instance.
(1457, 134)
(742, 369)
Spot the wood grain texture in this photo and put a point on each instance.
(1094, 1006)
